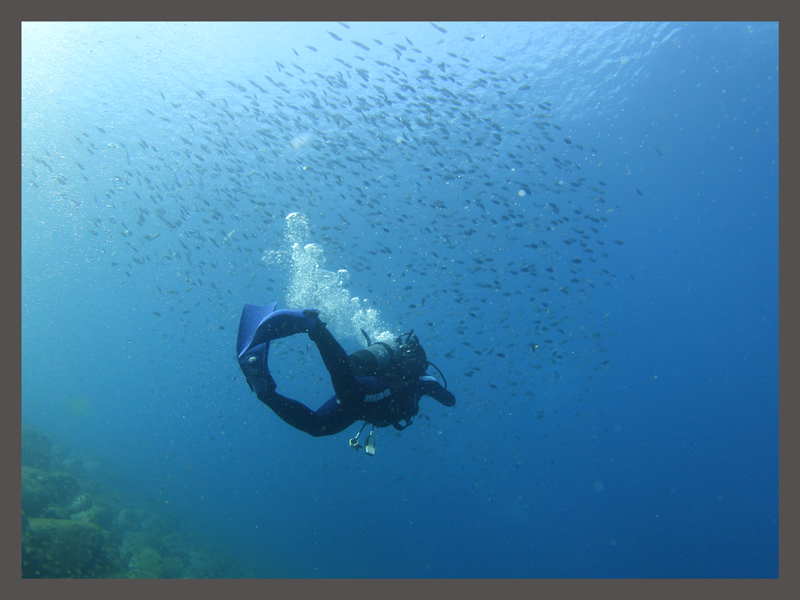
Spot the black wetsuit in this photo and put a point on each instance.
(376, 401)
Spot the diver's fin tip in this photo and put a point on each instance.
(252, 316)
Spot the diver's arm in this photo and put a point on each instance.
(428, 386)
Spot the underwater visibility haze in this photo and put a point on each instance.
(578, 220)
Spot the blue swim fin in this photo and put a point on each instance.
(251, 354)
(253, 315)
(258, 326)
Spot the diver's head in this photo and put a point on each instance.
(402, 358)
(410, 360)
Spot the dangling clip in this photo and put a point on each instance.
(369, 448)
(354, 441)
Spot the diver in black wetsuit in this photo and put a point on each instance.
(380, 385)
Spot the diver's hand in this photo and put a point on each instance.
(428, 386)
(446, 397)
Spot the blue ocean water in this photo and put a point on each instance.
(580, 221)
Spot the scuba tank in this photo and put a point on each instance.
(405, 358)
(374, 359)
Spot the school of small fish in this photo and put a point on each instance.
(399, 156)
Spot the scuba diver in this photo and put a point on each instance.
(380, 385)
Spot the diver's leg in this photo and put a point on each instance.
(332, 417)
(258, 326)
(337, 362)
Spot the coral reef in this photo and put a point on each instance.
(71, 529)
(64, 548)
